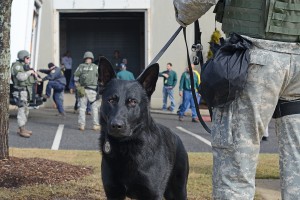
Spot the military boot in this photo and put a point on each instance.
(81, 127)
(96, 127)
(28, 131)
(22, 132)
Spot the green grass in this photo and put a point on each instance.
(90, 187)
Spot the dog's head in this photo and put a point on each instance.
(125, 104)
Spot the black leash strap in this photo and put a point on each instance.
(285, 107)
(166, 46)
(192, 85)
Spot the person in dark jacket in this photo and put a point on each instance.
(57, 82)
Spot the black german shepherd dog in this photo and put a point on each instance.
(140, 158)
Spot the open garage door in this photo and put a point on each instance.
(102, 33)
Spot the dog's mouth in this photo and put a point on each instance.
(120, 134)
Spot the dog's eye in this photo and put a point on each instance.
(112, 100)
(132, 102)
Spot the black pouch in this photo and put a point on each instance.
(224, 75)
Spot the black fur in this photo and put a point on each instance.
(146, 160)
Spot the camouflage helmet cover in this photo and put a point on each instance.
(88, 54)
(23, 54)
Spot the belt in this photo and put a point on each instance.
(90, 88)
(20, 89)
(284, 108)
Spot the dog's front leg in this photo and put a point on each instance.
(114, 190)
(114, 193)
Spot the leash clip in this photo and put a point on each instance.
(197, 47)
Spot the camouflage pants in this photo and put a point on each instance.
(273, 73)
(90, 95)
(23, 111)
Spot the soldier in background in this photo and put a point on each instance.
(86, 81)
(23, 78)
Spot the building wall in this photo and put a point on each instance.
(46, 48)
(21, 23)
(160, 24)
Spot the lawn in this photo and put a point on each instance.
(90, 187)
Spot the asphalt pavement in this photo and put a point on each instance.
(54, 132)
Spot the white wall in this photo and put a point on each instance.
(46, 48)
(101, 4)
(21, 24)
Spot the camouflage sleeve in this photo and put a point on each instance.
(22, 76)
(188, 11)
(77, 73)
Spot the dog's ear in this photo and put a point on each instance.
(105, 73)
(148, 78)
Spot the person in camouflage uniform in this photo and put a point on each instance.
(86, 81)
(23, 78)
(273, 76)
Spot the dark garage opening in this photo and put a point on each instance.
(102, 33)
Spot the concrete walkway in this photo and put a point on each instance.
(268, 189)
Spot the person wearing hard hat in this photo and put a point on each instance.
(86, 81)
(23, 77)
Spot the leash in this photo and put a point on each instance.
(166, 46)
(198, 40)
(192, 85)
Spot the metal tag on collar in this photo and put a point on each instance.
(107, 147)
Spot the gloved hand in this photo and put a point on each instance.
(80, 91)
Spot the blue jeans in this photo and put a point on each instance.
(58, 98)
(168, 91)
(187, 102)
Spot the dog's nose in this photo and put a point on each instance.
(117, 125)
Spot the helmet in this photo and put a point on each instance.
(88, 54)
(23, 54)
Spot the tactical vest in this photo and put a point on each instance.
(15, 69)
(265, 19)
(88, 74)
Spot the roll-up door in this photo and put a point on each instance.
(102, 33)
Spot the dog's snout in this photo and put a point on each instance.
(117, 125)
